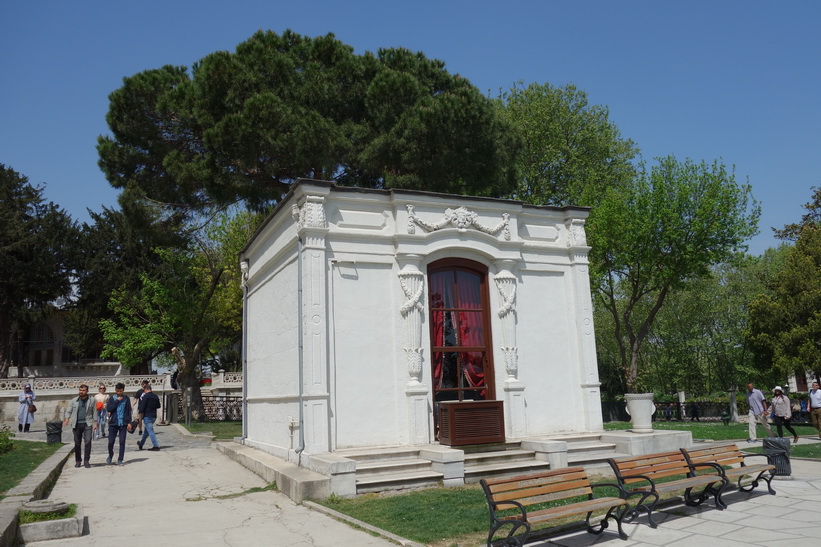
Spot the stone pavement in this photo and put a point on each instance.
(791, 517)
(187, 494)
(190, 494)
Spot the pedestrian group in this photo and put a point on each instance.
(88, 418)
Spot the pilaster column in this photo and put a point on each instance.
(578, 249)
(313, 230)
(507, 283)
(412, 282)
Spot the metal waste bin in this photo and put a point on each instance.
(54, 432)
(777, 450)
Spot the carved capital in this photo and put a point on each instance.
(576, 236)
(415, 359)
(243, 268)
(311, 214)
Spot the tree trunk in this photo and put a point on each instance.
(189, 384)
(5, 347)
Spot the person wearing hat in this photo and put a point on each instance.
(25, 416)
(782, 411)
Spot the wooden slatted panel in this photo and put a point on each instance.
(598, 504)
(541, 488)
(722, 455)
(655, 466)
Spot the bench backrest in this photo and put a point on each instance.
(544, 487)
(655, 466)
(723, 455)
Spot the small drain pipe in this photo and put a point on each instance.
(244, 357)
(300, 349)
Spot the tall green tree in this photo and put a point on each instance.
(189, 308)
(243, 126)
(785, 323)
(698, 342)
(115, 250)
(649, 237)
(36, 243)
(571, 151)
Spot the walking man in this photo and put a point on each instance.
(758, 412)
(82, 416)
(149, 404)
(119, 421)
(814, 407)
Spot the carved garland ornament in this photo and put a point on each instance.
(460, 218)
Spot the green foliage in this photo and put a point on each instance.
(27, 517)
(649, 238)
(571, 151)
(245, 125)
(6, 443)
(37, 240)
(190, 307)
(114, 252)
(785, 323)
(697, 342)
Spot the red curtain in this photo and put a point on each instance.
(469, 330)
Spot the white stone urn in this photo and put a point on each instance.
(640, 407)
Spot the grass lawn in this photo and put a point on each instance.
(220, 430)
(715, 431)
(22, 460)
(433, 516)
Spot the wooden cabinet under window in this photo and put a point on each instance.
(471, 422)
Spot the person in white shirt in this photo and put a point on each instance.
(814, 407)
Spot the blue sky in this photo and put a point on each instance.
(733, 80)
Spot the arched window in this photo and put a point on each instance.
(461, 349)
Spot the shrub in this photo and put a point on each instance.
(6, 444)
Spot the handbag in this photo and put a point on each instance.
(134, 425)
(32, 409)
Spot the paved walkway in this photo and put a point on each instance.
(757, 518)
(189, 494)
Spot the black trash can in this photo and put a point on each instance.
(54, 432)
(777, 450)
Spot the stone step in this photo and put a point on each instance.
(590, 446)
(380, 454)
(475, 473)
(591, 457)
(374, 467)
(482, 458)
(493, 447)
(576, 437)
(379, 482)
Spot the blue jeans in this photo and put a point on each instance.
(116, 432)
(102, 418)
(148, 431)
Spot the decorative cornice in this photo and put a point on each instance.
(460, 218)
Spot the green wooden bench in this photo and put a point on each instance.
(733, 465)
(653, 476)
(525, 494)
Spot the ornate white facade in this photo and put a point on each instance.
(338, 337)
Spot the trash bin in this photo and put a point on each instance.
(54, 432)
(777, 450)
